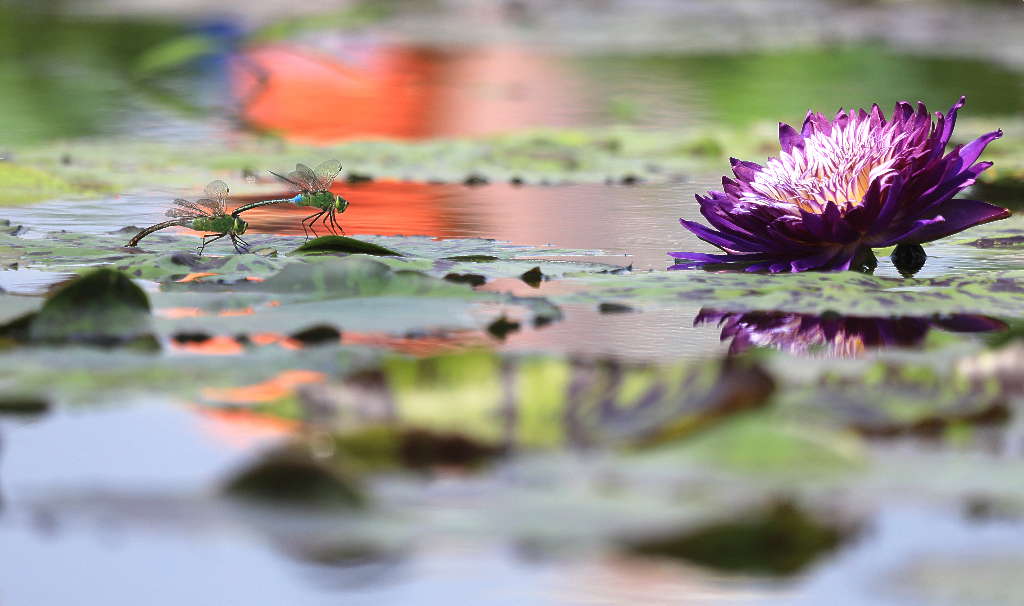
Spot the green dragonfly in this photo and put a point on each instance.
(314, 187)
(208, 215)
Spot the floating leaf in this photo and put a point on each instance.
(291, 476)
(994, 293)
(103, 307)
(356, 276)
(780, 539)
(336, 244)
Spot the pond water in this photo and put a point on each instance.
(109, 527)
(112, 492)
(365, 88)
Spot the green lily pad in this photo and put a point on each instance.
(356, 276)
(292, 476)
(23, 406)
(342, 244)
(780, 539)
(103, 307)
(996, 293)
(177, 266)
(168, 258)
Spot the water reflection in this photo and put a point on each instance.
(613, 219)
(403, 91)
(406, 91)
(128, 75)
(834, 335)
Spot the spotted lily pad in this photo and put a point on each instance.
(356, 276)
(167, 257)
(190, 266)
(996, 293)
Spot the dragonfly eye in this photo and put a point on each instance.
(340, 203)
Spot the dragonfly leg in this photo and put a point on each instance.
(240, 245)
(305, 231)
(212, 239)
(334, 222)
(324, 221)
(312, 220)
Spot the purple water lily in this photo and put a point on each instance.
(841, 187)
(832, 335)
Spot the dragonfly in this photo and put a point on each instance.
(314, 187)
(207, 215)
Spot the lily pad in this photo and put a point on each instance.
(190, 266)
(291, 476)
(103, 307)
(994, 293)
(342, 244)
(780, 539)
(356, 276)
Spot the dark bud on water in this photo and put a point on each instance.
(533, 277)
(865, 261)
(909, 259)
(501, 327)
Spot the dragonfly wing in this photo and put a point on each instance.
(305, 175)
(181, 213)
(189, 207)
(213, 206)
(326, 172)
(287, 180)
(218, 190)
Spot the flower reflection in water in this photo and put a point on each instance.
(834, 335)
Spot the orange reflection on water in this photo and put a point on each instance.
(245, 311)
(278, 387)
(403, 92)
(385, 208)
(243, 429)
(180, 312)
(313, 97)
(271, 338)
(192, 277)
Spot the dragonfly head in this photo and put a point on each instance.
(340, 204)
(239, 226)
